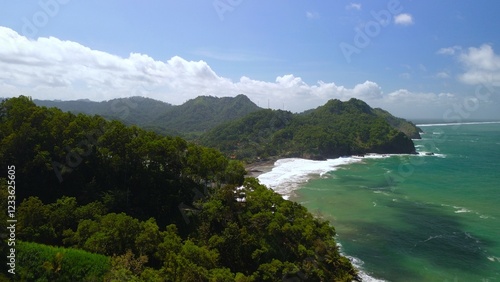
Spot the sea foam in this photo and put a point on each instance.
(457, 123)
(290, 174)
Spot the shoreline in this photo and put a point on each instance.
(293, 177)
(255, 169)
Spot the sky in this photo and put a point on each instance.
(417, 59)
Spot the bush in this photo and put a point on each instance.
(37, 262)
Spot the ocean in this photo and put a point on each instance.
(434, 216)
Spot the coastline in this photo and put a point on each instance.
(286, 175)
(255, 169)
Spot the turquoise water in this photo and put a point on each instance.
(419, 218)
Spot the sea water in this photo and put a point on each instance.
(434, 216)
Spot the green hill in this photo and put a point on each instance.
(332, 130)
(407, 127)
(194, 116)
(206, 112)
(131, 205)
(136, 110)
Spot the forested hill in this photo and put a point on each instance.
(408, 128)
(206, 112)
(332, 130)
(136, 110)
(194, 116)
(100, 201)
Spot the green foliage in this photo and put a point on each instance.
(267, 237)
(34, 225)
(408, 128)
(36, 262)
(263, 238)
(136, 171)
(116, 192)
(205, 112)
(333, 130)
(50, 223)
(127, 268)
(189, 119)
(110, 234)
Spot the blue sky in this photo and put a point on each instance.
(417, 59)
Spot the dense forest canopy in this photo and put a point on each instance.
(332, 130)
(98, 200)
(189, 120)
(195, 118)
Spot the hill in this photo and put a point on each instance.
(407, 127)
(332, 130)
(109, 202)
(206, 112)
(135, 110)
(196, 115)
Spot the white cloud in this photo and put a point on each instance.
(312, 15)
(50, 68)
(449, 50)
(482, 66)
(442, 75)
(353, 6)
(403, 19)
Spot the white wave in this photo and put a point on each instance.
(376, 156)
(358, 264)
(457, 123)
(430, 154)
(493, 259)
(462, 210)
(290, 174)
(459, 209)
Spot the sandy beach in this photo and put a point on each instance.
(257, 168)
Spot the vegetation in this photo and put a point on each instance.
(98, 200)
(138, 111)
(408, 128)
(46, 263)
(188, 120)
(205, 112)
(332, 130)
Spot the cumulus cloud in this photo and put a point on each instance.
(482, 65)
(403, 19)
(50, 68)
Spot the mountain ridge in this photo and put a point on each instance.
(332, 130)
(195, 115)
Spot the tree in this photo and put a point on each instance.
(110, 234)
(34, 222)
